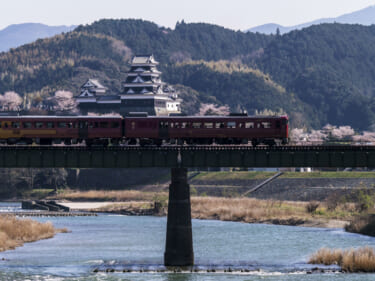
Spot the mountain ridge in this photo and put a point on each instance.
(16, 35)
(364, 16)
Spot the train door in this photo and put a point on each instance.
(83, 129)
(163, 129)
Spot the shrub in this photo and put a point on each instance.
(312, 206)
(352, 260)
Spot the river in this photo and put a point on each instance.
(123, 242)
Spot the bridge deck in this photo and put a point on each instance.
(186, 156)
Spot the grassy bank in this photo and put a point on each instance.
(229, 209)
(111, 195)
(270, 211)
(249, 175)
(14, 232)
(352, 260)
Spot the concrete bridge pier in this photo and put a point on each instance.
(179, 243)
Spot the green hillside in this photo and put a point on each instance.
(330, 66)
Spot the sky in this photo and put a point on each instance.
(233, 14)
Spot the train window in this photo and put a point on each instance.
(259, 125)
(285, 121)
(91, 125)
(240, 125)
(38, 125)
(103, 124)
(219, 125)
(27, 125)
(231, 125)
(208, 125)
(183, 125)
(6, 125)
(278, 124)
(172, 125)
(70, 125)
(163, 124)
(16, 125)
(50, 125)
(197, 125)
(115, 125)
(177, 125)
(61, 125)
(96, 124)
(249, 125)
(266, 125)
(133, 125)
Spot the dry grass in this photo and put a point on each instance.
(114, 195)
(246, 209)
(352, 260)
(133, 205)
(221, 208)
(14, 232)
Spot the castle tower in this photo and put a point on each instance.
(145, 92)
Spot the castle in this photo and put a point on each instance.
(143, 92)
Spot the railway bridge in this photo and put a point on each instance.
(179, 244)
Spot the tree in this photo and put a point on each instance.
(213, 109)
(11, 101)
(64, 101)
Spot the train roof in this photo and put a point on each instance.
(148, 117)
(211, 117)
(57, 117)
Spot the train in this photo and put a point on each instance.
(144, 130)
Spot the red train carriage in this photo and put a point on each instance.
(208, 129)
(145, 130)
(55, 129)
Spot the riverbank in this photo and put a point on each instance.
(15, 232)
(248, 210)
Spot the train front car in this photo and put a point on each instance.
(47, 130)
(43, 130)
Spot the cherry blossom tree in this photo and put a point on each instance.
(11, 101)
(213, 109)
(64, 101)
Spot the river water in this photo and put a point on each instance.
(123, 242)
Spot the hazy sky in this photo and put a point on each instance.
(234, 14)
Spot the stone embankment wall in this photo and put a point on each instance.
(303, 189)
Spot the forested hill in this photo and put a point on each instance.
(330, 66)
(322, 74)
(186, 41)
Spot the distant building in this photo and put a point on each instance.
(143, 92)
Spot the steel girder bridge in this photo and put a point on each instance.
(186, 156)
